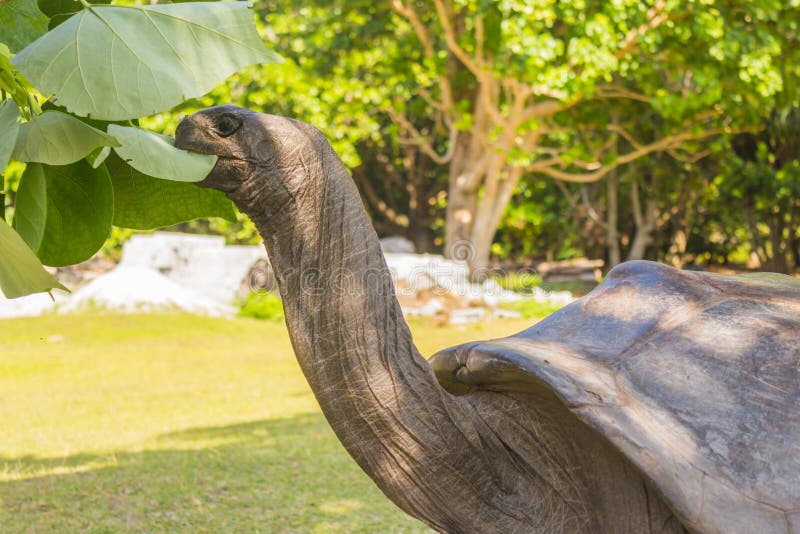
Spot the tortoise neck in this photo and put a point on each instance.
(345, 324)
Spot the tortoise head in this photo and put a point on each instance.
(259, 155)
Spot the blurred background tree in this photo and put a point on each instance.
(548, 130)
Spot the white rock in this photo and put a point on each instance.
(165, 251)
(31, 305)
(432, 307)
(137, 289)
(199, 274)
(467, 315)
(201, 263)
(397, 244)
(506, 314)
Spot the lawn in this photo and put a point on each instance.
(175, 423)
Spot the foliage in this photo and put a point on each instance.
(114, 65)
(522, 281)
(20, 22)
(51, 211)
(538, 224)
(143, 202)
(135, 61)
(262, 305)
(625, 99)
(155, 155)
(336, 77)
(764, 183)
(112, 248)
(531, 309)
(8, 115)
(42, 139)
(495, 95)
(25, 274)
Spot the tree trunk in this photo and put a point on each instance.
(461, 201)
(778, 262)
(612, 218)
(681, 218)
(481, 184)
(420, 233)
(473, 213)
(794, 237)
(755, 239)
(645, 224)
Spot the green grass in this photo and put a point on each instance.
(262, 305)
(531, 309)
(521, 281)
(174, 423)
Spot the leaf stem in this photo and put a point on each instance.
(85, 4)
(2, 178)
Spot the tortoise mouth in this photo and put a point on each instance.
(221, 177)
(189, 137)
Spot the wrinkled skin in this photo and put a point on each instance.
(483, 462)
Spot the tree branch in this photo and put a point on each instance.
(547, 167)
(398, 219)
(590, 211)
(391, 170)
(693, 158)
(572, 198)
(452, 43)
(542, 109)
(432, 102)
(616, 91)
(422, 142)
(617, 129)
(636, 205)
(471, 181)
(655, 18)
(407, 11)
(479, 38)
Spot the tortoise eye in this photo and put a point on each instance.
(227, 125)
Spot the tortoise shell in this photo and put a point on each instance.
(695, 377)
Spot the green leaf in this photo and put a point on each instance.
(21, 23)
(98, 156)
(64, 213)
(9, 127)
(30, 212)
(155, 155)
(120, 62)
(143, 202)
(21, 273)
(51, 8)
(56, 138)
(61, 10)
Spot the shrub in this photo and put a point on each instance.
(263, 305)
(531, 309)
(520, 281)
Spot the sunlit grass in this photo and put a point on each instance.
(174, 423)
(531, 309)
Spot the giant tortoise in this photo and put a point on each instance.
(664, 401)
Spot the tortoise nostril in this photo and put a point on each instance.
(183, 133)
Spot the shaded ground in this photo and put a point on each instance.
(174, 423)
(278, 475)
